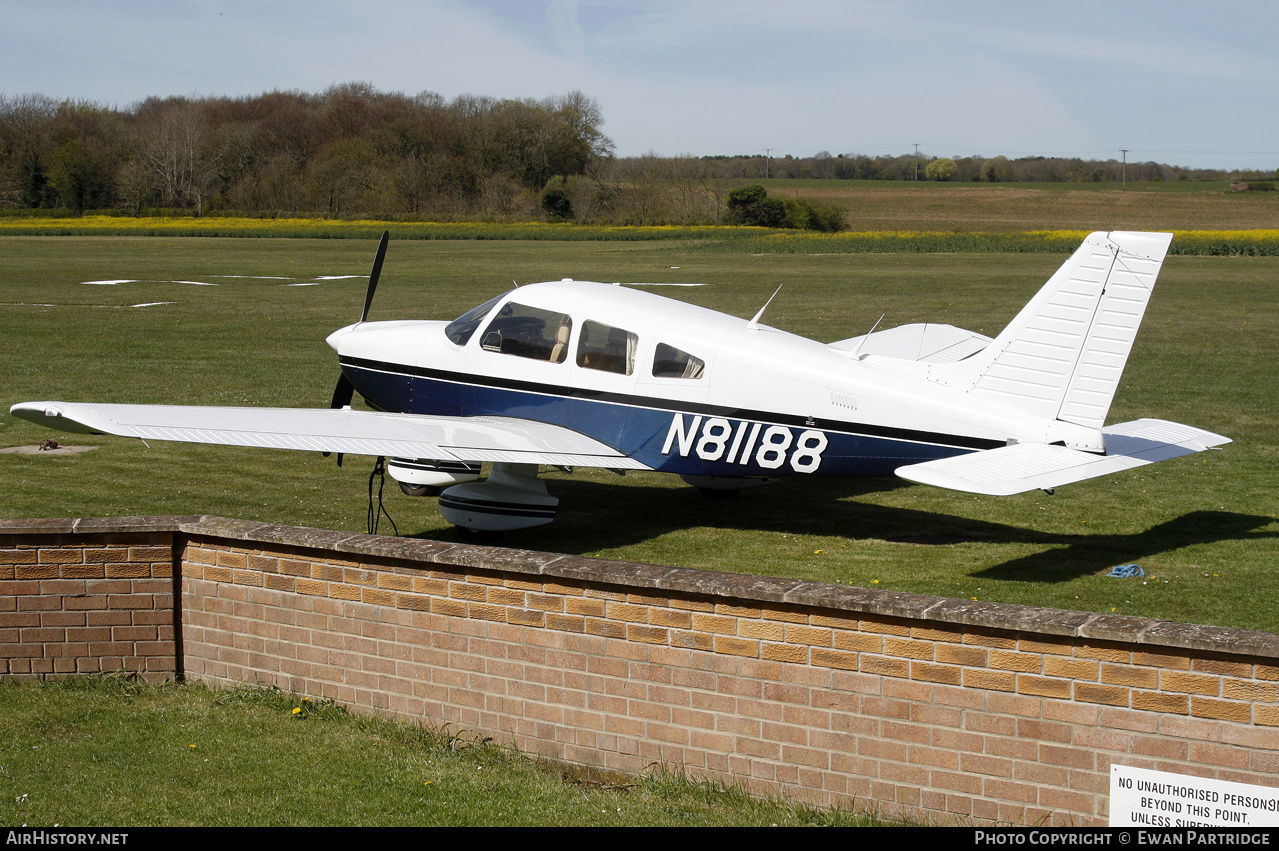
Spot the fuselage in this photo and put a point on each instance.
(680, 388)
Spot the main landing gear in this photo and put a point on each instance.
(512, 497)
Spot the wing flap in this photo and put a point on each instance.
(496, 439)
(1029, 466)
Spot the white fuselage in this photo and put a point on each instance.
(749, 374)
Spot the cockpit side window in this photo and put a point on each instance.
(461, 329)
(528, 332)
(606, 348)
(670, 362)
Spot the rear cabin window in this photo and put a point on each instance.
(528, 332)
(670, 362)
(606, 348)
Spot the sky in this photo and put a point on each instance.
(1184, 83)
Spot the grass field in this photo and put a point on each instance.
(1203, 527)
(107, 752)
(1175, 205)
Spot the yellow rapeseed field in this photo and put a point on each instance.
(1208, 242)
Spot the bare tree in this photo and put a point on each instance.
(175, 149)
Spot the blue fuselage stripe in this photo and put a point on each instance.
(641, 427)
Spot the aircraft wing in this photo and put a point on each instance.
(498, 439)
(1030, 466)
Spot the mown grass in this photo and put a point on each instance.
(1245, 243)
(108, 751)
(1203, 527)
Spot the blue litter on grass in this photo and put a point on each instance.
(1125, 571)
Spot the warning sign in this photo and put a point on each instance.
(1140, 797)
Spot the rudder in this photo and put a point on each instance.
(1063, 355)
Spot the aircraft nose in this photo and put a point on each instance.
(335, 339)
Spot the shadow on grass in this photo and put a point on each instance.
(595, 515)
(1088, 554)
(601, 515)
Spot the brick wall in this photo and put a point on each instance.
(914, 705)
(87, 596)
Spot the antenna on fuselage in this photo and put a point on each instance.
(855, 352)
(753, 325)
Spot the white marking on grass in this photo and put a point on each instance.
(144, 281)
(152, 303)
(319, 279)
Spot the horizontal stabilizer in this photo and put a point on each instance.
(926, 342)
(1030, 466)
(496, 439)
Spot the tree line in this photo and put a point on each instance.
(350, 150)
(997, 169)
(355, 151)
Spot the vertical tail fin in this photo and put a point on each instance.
(1063, 354)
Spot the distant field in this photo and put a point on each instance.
(871, 205)
(1172, 205)
(1203, 527)
(722, 239)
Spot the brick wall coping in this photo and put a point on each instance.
(1002, 616)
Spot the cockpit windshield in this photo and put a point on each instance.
(461, 329)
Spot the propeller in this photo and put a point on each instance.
(375, 274)
(344, 392)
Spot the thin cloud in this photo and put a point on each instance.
(716, 76)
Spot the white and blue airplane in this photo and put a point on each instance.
(583, 374)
